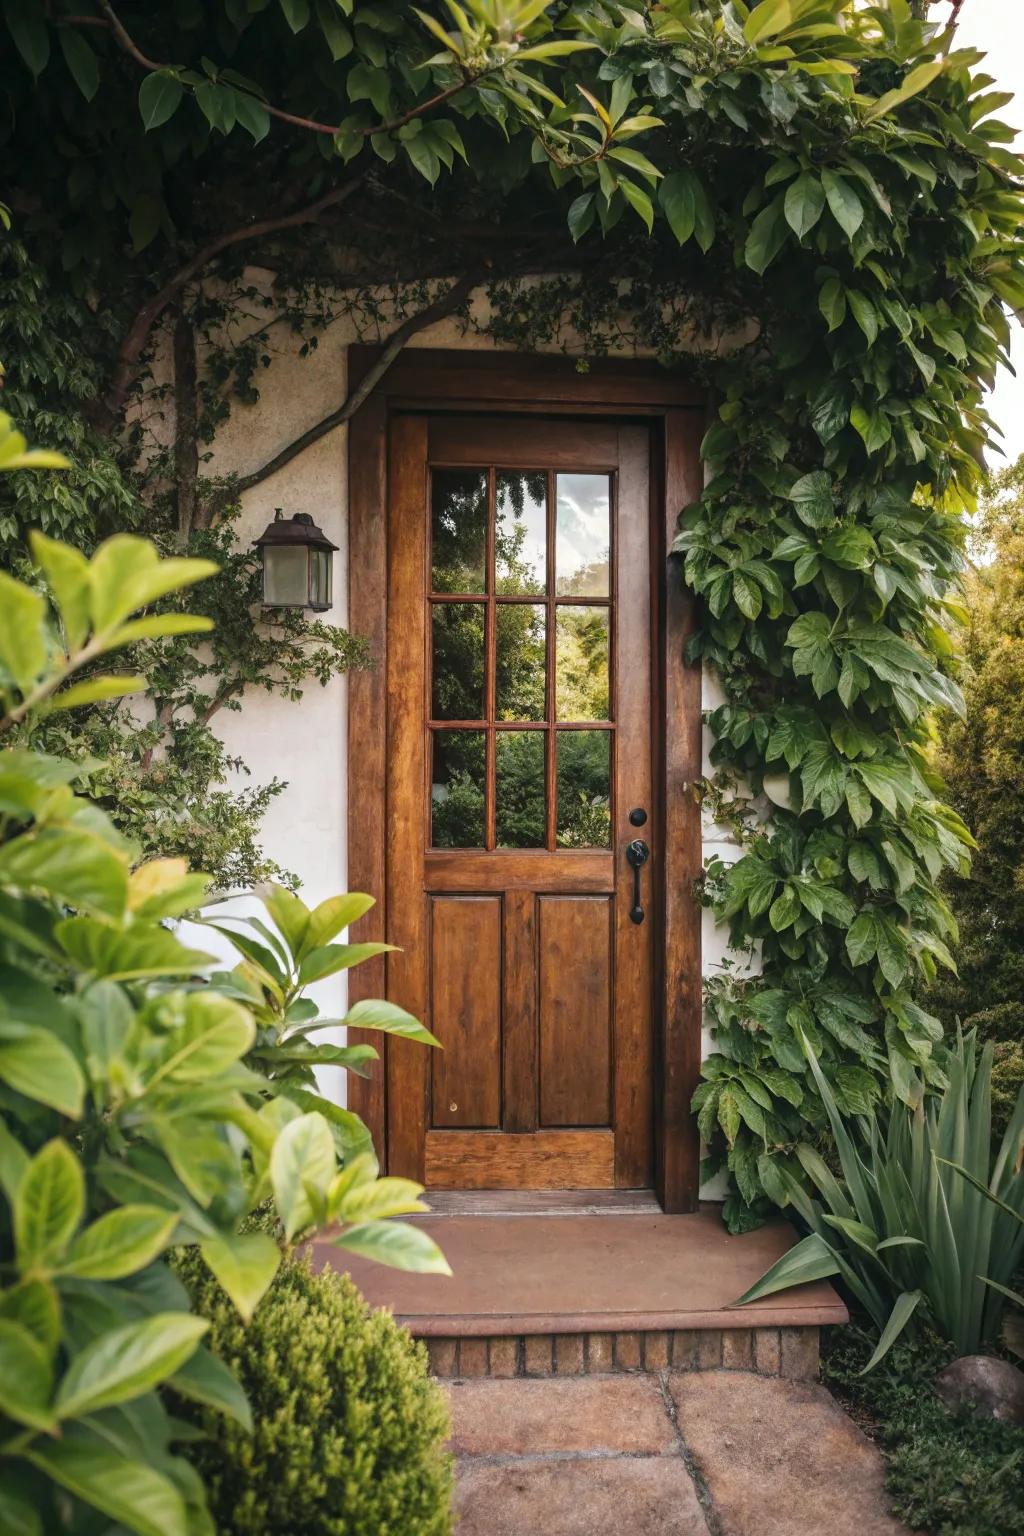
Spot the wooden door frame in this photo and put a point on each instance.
(433, 380)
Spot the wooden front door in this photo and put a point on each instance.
(519, 771)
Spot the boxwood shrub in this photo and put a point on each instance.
(349, 1430)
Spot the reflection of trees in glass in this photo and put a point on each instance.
(458, 529)
(584, 789)
(457, 680)
(581, 663)
(519, 662)
(519, 781)
(457, 791)
(520, 532)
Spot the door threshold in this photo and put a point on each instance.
(542, 1202)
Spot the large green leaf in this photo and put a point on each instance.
(804, 203)
(126, 1362)
(19, 1515)
(810, 1259)
(128, 1492)
(23, 646)
(120, 1243)
(127, 954)
(39, 1065)
(73, 866)
(244, 1264)
(398, 1244)
(846, 206)
(26, 1377)
(375, 1013)
(328, 919)
(48, 1207)
(128, 574)
(34, 1306)
(903, 1309)
(206, 1379)
(215, 1033)
(378, 1199)
(767, 19)
(329, 959)
(767, 236)
(67, 575)
(302, 1163)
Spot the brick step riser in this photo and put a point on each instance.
(791, 1353)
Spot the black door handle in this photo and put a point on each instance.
(637, 854)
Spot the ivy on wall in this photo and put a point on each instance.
(824, 179)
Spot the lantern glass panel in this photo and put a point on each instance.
(285, 576)
(320, 578)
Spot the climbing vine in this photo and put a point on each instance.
(811, 207)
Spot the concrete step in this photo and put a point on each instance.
(587, 1284)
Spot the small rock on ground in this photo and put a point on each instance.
(993, 1388)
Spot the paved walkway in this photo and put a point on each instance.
(702, 1453)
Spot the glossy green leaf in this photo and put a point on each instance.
(127, 1492)
(804, 203)
(120, 1243)
(159, 98)
(846, 206)
(36, 1063)
(809, 1259)
(244, 1264)
(26, 1378)
(125, 1362)
(301, 1164)
(396, 1244)
(204, 1378)
(49, 1206)
(23, 648)
(389, 1019)
(81, 61)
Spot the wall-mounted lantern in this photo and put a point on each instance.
(297, 563)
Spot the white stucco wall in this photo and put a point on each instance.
(305, 744)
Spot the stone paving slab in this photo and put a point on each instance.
(780, 1458)
(592, 1414)
(712, 1453)
(616, 1496)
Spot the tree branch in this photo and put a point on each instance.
(443, 306)
(186, 425)
(126, 41)
(135, 340)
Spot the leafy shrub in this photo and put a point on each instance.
(131, 1121)
(947, 1474)
(980, 759)
(904, 1228)
(348, 1429)
(1003, 1026)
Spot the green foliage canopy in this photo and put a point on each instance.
(827, 181)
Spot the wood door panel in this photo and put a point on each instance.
(488, 440)
(574, 1015)
(476, 870)
(495, 1160)
(519, 1043)
(510, 892)
(465, 1010)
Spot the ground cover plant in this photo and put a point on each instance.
(947, 1474)
(827, 183)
